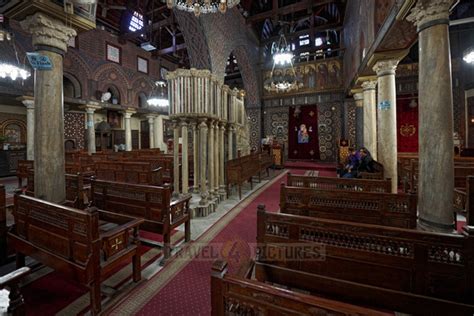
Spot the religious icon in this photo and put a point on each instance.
(303, 136)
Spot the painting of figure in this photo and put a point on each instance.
(334, 74)
(310, 77)
(322, 75)
(303, 136)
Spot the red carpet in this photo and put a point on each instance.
(187, 292)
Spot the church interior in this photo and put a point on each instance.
(236, 157)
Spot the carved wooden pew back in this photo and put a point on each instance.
(392, 267)
(330, 183)
(128, 172)
(397, 210)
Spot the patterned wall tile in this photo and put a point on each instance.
(74, 128)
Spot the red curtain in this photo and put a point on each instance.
(407, 124)
(303, 142)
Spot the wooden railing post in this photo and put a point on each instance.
(218, 270)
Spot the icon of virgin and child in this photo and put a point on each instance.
(303, 135)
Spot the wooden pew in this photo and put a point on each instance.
(151, 203)
(77, 188)
(77, 243)
(266, 162)
(3, 226)
(329, 183)
(240, 170)
(129, 172)
(404, 270)
(239, 295)
(397, 210)
(11, 281)
(22, 170)
(377, 175)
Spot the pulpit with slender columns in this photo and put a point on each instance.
(387, 119)
(198, 96)
(90, 108)
(370, 117)
(359, 101)
(127, 115)
(151, 127)
(29, 103)
(230, 142)
(436, 173)
(176, 158)
(49, 38)
(184, 155)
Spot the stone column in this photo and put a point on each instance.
(50, 38)
(151, 128)
(196, 156)
(222, 190)
(211, 160)
(436, 166)
(90, 109)
(370, 117)
(184, 156)
(387, 119)
(128, 129)
(217, 150)
(158, 132)
(203, 159)
(175, 158)
(230, 136)
(359, 100)
(30, 127)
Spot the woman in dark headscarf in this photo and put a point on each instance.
(366, 161)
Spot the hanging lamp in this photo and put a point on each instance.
(10, 66)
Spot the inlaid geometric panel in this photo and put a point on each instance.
(74, 128)
(254, 121)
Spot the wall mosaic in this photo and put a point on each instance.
(254, 121)
(74, 128)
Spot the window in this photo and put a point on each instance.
(142, 65)
(113, 53)
(318, 41)
(136, 22)
(304, 40)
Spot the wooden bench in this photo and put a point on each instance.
(11, 281)
(3, 226)
(266, 162)
(403, 270)
(79, 244)
(151, 203)
(77, 188)
(240, 170)
(129, 172)
(22, 170)
(378, 173)
(239, 295)
(330, 183)
(397, 210)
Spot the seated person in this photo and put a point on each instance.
(353, 161)
(366, 163)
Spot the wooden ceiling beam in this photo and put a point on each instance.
(171, 49)
(332, 26)
(299, 6)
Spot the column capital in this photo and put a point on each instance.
(29, 103)
(48, 31)
(427, 13)
(359, 97)
(203, 124)
(386, 67)
(151, 118)
(183, 122)
(128, 113)
(369, 85)
(91, 107)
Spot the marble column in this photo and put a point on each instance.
(359, 100)
(184, 157)
(436, 166)
(151, 129)
(128, 129)
(90, 110)
(158, 132)
(222, 190)
(217, 150)
(387, 119)
(49, 38)
(29, 103)
(230, 136)
(370, 117)
(175, 158)
(211, 159)
(203, 160)
(196, 156)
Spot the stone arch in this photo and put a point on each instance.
(76, 85)
(111, 75)
(75, 64)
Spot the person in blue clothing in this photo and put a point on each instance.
(353, 161)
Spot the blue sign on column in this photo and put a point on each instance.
(384, 105)
(39, 62)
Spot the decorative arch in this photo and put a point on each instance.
(111, 75)
(116, 95)
(75, 64)
(76, 85)
(14, 131)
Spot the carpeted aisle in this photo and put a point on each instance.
(185, 291)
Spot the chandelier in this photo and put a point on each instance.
(158, 96)
(202, 6)
(283, 77)
(9, 68)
